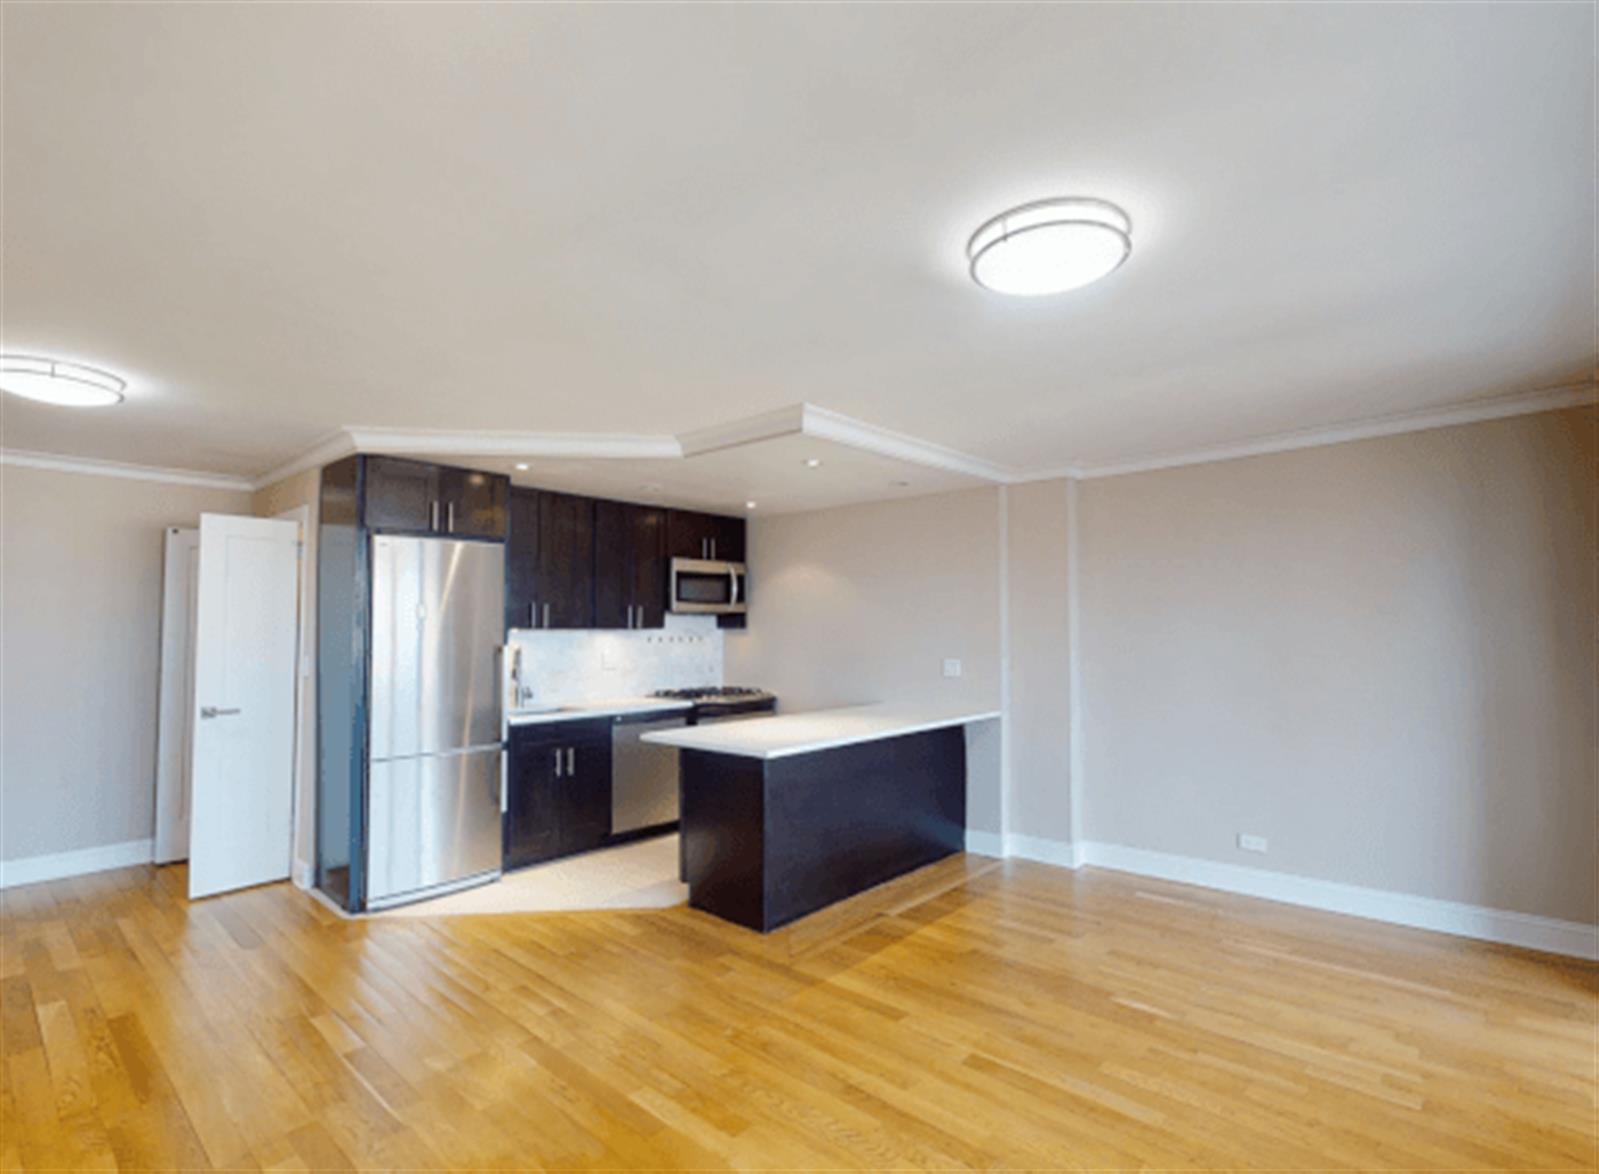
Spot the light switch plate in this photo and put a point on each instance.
(952, 667)
(1251, 843)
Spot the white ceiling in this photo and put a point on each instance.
(770, 471)
(280, 220)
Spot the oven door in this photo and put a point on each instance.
(704, 587)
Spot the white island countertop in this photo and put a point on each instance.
(822, 729)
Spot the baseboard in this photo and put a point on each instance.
(30, 870)
(984, 843)
(1061, 853)
(300, 874)
(1471, 921)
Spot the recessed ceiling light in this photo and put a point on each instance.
(1050, 246)
(813, 462)
(521, 466)
(749, 505)
(52, 381)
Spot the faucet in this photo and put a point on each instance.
(521, 691)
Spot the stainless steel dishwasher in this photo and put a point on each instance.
(643, 777)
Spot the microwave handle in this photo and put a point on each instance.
(732, 580)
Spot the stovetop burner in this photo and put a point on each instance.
(712, 693)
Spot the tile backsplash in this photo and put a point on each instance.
(565, 668)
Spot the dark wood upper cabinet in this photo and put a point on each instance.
(704, 536)
(522, 559)
(473, 503)
(415, 497)
(727, 538)
(688, 534)
(401, 495)
(565, 591)
(630, 567)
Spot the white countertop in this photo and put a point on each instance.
(823, 729)
(606, 708)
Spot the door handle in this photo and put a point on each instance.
(213, 711)
(557, 762)
(571, 762)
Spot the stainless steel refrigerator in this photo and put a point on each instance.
(435, 786)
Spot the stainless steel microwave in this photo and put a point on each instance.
(707, 587)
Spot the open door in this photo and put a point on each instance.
(242, 769)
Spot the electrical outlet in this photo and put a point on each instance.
(1251, 843)
(952, 667)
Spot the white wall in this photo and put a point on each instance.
(80, 629)
(863, 603)
(1380, 655)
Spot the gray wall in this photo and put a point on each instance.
(1038, 720)
(80, 626)
(1380, 655)
(863, 603)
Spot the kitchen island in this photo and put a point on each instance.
(782, 816)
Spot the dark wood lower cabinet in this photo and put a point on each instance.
(559, 790)
(768, 841)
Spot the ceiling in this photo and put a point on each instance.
(282, 220)
(770, 472)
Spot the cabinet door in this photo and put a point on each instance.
(566, 560)
(648, 528)
(688, 535)
(727, 539)
(586, 786)
(613, 564)
(522, 560)
(401, 495)
(532, 817)
(474, 503)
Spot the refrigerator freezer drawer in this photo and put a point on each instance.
(434, 820)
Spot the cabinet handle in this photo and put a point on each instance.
(571, 762)
(557, 762)
(546, 615)
(449, 518)
(713, 548)
(532, 615)
(433, 515)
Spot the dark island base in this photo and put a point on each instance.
(766, 841)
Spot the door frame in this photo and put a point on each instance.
(175, 694)
(301, 871)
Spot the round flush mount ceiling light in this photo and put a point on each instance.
(1050, 246)
(53, 381)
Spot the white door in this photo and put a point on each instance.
(242, 776)
(175, 731)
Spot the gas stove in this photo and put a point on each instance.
(718, 701)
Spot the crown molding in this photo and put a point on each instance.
(330, 448)
(1498, 408)
(826, 425)
(787, 421)
(798, 420)
(94, 467)
(579, 445)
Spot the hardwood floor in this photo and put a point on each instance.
(974, 1014)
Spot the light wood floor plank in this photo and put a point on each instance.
(975, 1014)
